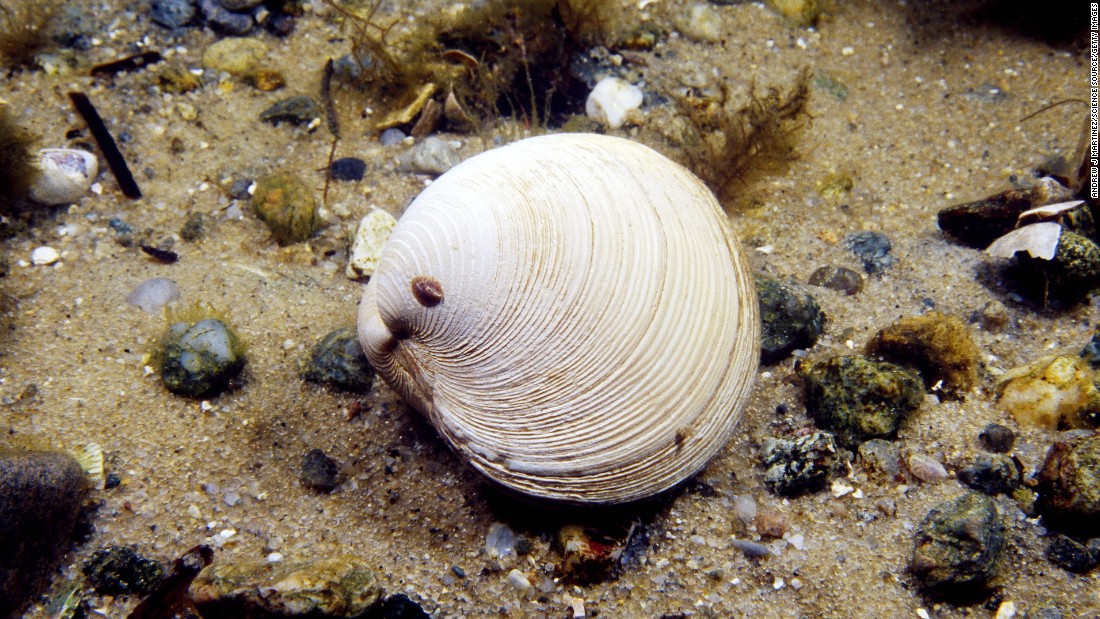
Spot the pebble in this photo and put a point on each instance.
(44, 256)
(239, 5)
(881, 457)
(1052, 392)
(858, 398)
(348, 169)
(199, 359)
(1069, 276)
(432, 155)
(297, 110)
(194, 228)
(958, 548)
(172, 13)
(391, 136)
(223, 21)
(120, 570)
(366, 246)
(872, 249)
(790, 316)
(234, 55)
(239, 190)
(804, 464)
(977, 224)
(1069, 484)
(991, 474)
(613, 101)
(65, 175)
(518, 581)
(1091, 352)
(153, 294)
(338, 360)
(319, 471)
(341, 586)
(500, 541)
(926, 468)
(841, 279)
(587, 556)
(997, 438)
(1073, 556)
(287, 205)
(937, 345)
(993, 316)
(802, 13)
(43, 492)
(702, 23)
(752, 550)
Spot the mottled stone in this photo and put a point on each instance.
(937, 345)
(235, 55)
(790, 318)
(997, 438)
(287, 206)
(319, 471)
(199, 359)
(872, 249)
(1069, 484)
(120, 570)
(338, 360)
(840, 279)
(297, 110)
(991, 474)
(802, 464)
(958, 548)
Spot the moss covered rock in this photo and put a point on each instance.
(198, 359)
(958, 548)
(287, 206)
(338, 360)
(790, 317)
(937, 345)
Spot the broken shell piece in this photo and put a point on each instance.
(612, 101)
(66, 174)
(1038, 240)
(1050, 211)
(90, 458)
(406, 114)
(366, 247)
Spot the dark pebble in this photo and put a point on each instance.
(42, 495)
(1069, 484)
(800, 465)
(958, 548)
(458, 571)
(858, 398)
(120, 570)
(977, 224)
(193, 229)
(298, 110)
(872, 249)
(840, 279)
(280, 25)
(397, 606)
(1071, 555)
(752, 550)
(112, 480)
(790, 316)
(172, 13)
(997, 438)
(239, 189)
(338, 360)
(319, 471)
(1072, 274)
(348, 169)
(991, 474)
(223, 21)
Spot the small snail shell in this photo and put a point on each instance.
(572, 313)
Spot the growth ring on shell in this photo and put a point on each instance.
(590, 333)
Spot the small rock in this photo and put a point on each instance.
(752, 550)
(366, 247)
(518, 580)
(1069, 484)
(320, 471)
(65, 175)
(223, 21)
(613, 101)
(993, 316)
(391, 136)
(120, 570)
(1091, 352)
(500, 541)
(881, 457)
(297, 110)
(287, 206)
(239, 190)
(432, 155)
(342, 586)
(194, 228)
(235, 55)
(991, 474)
(872, 249)
(802, 13)
(348, 169)
(338, 360)
(398, 606)
(1071, 555)
(790, 316)
(939, 346)
(702, 23)
(153, 294)
(1069, 276)
(199, 359)
(997, 438)
(770, 523)
(800, 465)
(926, 468)
(1051, 393)
(172, 13)
(858, 398)
(42, 495)
(44, 256)
(958, 548)
(840, 279)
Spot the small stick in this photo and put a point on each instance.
(106, 144)
(326, 98)
(129, 63)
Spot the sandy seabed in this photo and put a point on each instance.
(932, 117)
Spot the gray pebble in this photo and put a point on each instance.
(239, 5)
(199, 360)
(991, 474)
(153, 294)
(752, 550)
(223, 21)
(239, 189)
(791, 318)
(803, 464)
(299, 110)
(172, 13)
(391, 136)
(997, 438)
(840, 279)
(958, 547)
(320, 471)
(432, 156)
(872, 249)
(1071, 555)
(338, 360)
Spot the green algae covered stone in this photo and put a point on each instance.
(287, 206)
(958, 548)
(199, 359)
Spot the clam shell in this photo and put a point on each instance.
(572, 313)
(66, 174)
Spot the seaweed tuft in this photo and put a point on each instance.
(18, 169)
(25, 31)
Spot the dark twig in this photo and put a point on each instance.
(106, 144)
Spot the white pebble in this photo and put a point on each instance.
(274, 557)
(44, 256)
(500, 541)
(926, 468)
(577, 605)
(1007, 610)
(612, 101)
(66, 174)
(153, 294)
(366, 248)
(519, 581)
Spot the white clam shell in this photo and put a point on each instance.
(584, 327)
(66, 174)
